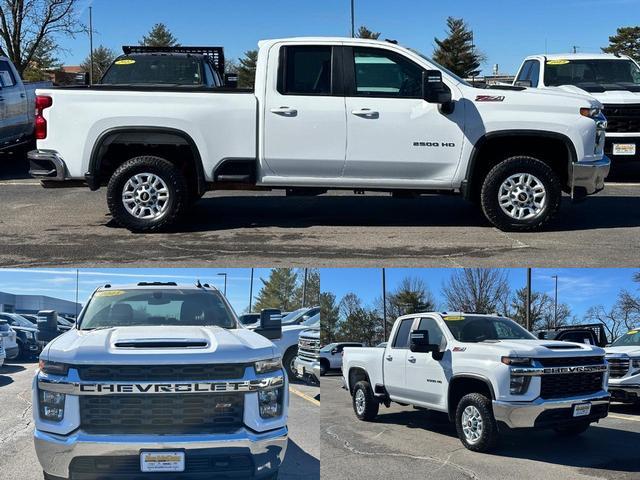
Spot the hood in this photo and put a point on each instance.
(537, 95)
(631, 350)
(313, 333)
(161, 345)
(615, 93)
(544, 348)
(24, 329)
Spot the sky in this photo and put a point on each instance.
(580, 288)
(505, 30)
(61, 282)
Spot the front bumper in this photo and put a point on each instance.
(549, 413)
(588, 178)
(46, 165)
(12, 352)
(624, 393)
(307, 370)
(622, 159)
(57, 452)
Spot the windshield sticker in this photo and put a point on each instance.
(110, 293)
(632, 332)
(557, 62)
(453, 318)
(125, 61)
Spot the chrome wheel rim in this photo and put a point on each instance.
(146, 196)
(472, 424)
(522, 196)
(360, 402)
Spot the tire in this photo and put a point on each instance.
(324, 368)
(173, 182)
(487, 431)
(572, 430)
(287, 362)
(368, 409)
(520, 213)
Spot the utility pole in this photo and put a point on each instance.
(77, 287)
(384, 304)
(304, 288)
(555, 304)
(91, 45)
(251, 291)
(528, 311)
(353, 20)
(225, 282)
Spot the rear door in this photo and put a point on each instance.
(395, 360)
(304, 116)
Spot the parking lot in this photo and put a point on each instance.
(408, 443)
(235, 229)
(18, 459)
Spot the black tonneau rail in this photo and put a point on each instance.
(156, 88)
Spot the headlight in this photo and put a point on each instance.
(52, 406)
(519, 384)
(516, 361)
(53, 368)
(270, 402)
(590, 112)
(31, 335)
(635, 363)
(271, 365)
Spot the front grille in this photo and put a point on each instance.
(163, 373)
(622, 118)
(570, 361)
(161, 414)
(618, 367)
(570, 384)
(309, 349)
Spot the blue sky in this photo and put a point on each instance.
(61, 282)
(579, 288)
(505, 30)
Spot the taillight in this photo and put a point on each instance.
(42, 103)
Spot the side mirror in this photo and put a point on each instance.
(231, 80)
(434, 90)
(334, 351)
(419, 342)
(270, 325)
(523, 83)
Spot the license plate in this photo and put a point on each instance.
(301, 370)
(624, 148)
(162, 461)
(581, 410)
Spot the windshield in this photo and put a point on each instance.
(155, 307)
(154, 70)
(632, 338)
(474, 328)
(328, 348)
(589, 72)
(310, 322)
(440, 67)
(293, 316)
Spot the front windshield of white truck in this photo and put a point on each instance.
(476, 328)
(155, 307)
(593, 75)
(630, 339)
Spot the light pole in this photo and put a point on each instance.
(304, 288)
(251, 291)
(91, 45)
(384, 303)
(353, 19)
(528, 310)
(225, 282)
(555, 304)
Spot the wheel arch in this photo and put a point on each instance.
(461, 385)
(357, 374)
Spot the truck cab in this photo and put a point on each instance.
(623, 356)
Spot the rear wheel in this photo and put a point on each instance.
(475, 423)
(365, 404)
(572, 430)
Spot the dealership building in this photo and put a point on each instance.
(12, 303)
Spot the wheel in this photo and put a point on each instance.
(520, 194)
(147, 194)
(22, 353)
(572, 430)
(323, 368)
(288, 362)
(365, 404)
(475, 423)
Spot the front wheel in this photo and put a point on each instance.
(288, 362)
(147, 194)
(475, 423)
(572, 430)
(520, 194)
(365, 404)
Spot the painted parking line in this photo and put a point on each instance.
(620, 417)
(308, 398)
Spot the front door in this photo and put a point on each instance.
(395, 359)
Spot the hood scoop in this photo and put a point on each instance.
(156, 343)
(563, 347)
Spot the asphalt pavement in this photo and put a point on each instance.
(408, 443)
(18, 459)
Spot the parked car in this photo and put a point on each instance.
(32, 318)
(288, 343)
(486, 372)
(592, 333)
(17, 106)
(623, 356)
(613, 80)
(296, 317)
(307, 363)
(3, 355)
(166, 373)
(326, 113)
(26, 334)
(9, 340)
(331, 355)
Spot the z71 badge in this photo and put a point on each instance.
(490, 98)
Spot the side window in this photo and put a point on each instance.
(382, 73)
(435, 333)
(6, 75)
(402, 335)
(306, 70)
(524, 72)
(534, 73)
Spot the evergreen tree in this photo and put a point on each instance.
(626, 41)
(411, 296)
(159, 36)
(103, 57)
(358, 324)
(44, 61)
(247, 69)
(364, 32)
(312, 293)
(329, 316)
(278, 291)
(457, 52)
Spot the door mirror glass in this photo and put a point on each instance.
(419, 342)
(270, 324)
(524, 83)
(434, 90)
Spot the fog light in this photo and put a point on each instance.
(519, 385)
(270, 402)
(52, 406)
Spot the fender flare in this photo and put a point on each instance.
(472, 376)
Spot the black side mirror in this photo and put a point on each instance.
(231, 80)
(270, 324)
(334, 351)
(419, 342)
(434, 90)
(523, 83)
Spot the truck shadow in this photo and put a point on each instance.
(299, 464)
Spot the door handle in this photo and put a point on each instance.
(412, 359)
(366, 113)
(22, 95)
(389, 357)
(285, 111)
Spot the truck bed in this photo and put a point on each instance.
(368, 359)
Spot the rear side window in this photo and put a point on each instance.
(402, 335)
(306, 70)
(6, 75)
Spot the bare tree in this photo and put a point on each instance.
(616, 320)
(26, 24)
(476, 290)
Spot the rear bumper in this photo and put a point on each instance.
(60, 454)
(549, 413)
(306, 369)
(588, 178)
(46, 165)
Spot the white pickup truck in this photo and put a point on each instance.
(326, 113)
(487, 372)
(156, 380)
(623, 356)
